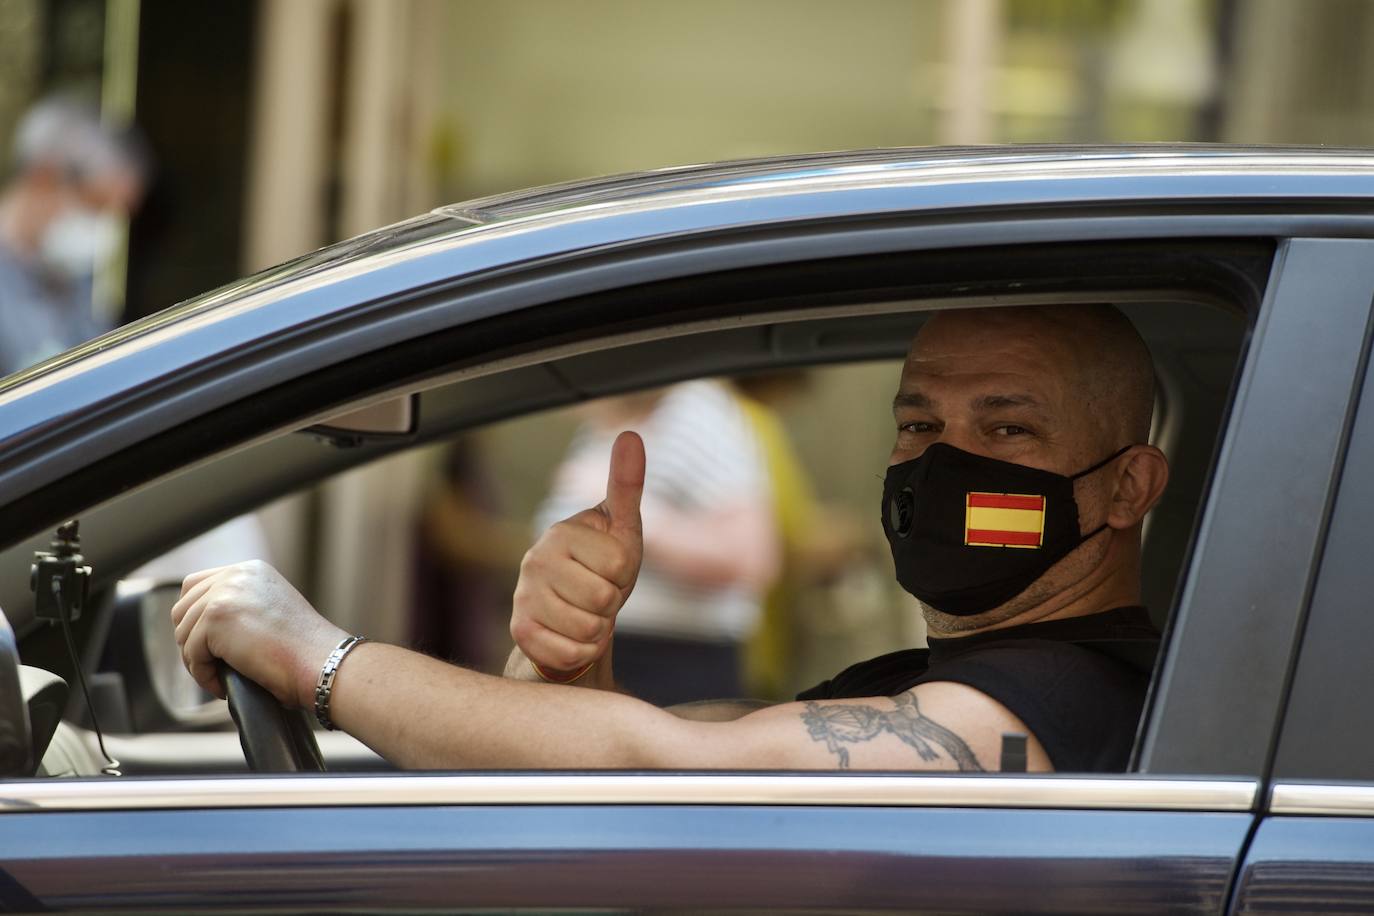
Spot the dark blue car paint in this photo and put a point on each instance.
(631, 857)
(1309, 865)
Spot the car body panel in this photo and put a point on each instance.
(1326, 735)
(1316, 850)
(1223, 680)
(629, 857)
(1309, 865)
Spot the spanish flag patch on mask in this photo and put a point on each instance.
(1004, 520)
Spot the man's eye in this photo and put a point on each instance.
(1010, 429)
(917, 426)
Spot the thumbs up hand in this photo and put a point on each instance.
(575, 579)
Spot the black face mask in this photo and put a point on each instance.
(969, 533)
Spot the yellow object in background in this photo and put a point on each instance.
(768, 653)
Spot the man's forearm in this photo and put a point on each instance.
(419, 712)
(518, 668)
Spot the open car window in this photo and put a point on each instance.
(813, 441)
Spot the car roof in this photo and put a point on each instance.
(931, 165)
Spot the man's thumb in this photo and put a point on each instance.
(625, 483)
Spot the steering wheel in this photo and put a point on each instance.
(275, 739)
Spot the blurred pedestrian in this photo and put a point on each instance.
(710, 542)
(73, 182)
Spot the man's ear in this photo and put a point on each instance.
(1140, 481)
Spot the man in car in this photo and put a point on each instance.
(1013, 502)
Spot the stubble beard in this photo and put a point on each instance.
(1056, 585)
(939, 622)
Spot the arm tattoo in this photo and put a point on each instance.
(838, 724)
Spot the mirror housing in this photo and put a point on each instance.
(155, 694)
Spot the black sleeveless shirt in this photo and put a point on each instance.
(1078, 683)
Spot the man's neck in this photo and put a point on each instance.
(1114, 583)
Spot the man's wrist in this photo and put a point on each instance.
(602, 677)
(307, 659)
(324, 682)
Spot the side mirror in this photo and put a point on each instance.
(154, 693)
(16, 738)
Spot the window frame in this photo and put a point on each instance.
(1215, 703)
(1322, 753)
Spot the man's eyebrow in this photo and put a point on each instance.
(910, 399)
(1002, 401)
(981, 402)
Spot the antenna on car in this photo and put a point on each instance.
(60, 579)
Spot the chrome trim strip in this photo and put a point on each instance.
(949, 166)
(1303, 798)
(993, 791)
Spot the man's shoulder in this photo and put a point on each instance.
(895, 672)
(1045, 662)
(1080, 702)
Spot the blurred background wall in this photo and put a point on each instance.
(282, 125)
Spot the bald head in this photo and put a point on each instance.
(1091, 354)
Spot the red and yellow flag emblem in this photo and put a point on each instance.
(1004, 520)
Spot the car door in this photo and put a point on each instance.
(1167, 836)
(1314, 851)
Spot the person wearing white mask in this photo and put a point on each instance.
(73, 183)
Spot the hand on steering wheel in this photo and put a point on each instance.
(247, 635)
(275, 739)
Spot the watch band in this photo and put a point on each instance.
(324, 685)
